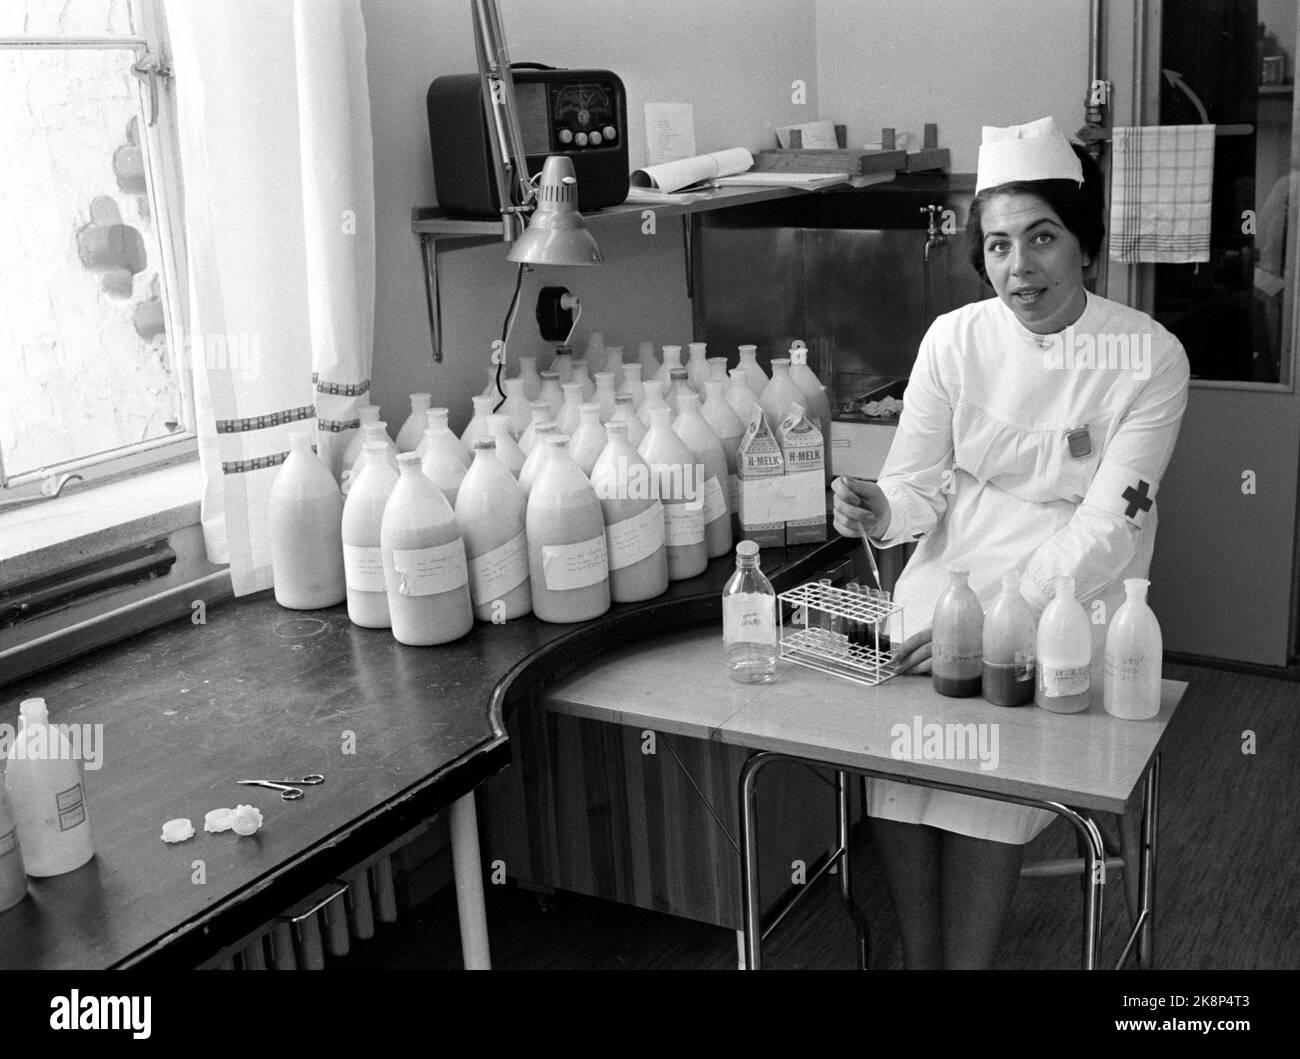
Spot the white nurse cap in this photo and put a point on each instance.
(1035, 151)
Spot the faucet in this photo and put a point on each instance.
(934, 237)
(51, 486)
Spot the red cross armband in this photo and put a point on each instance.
(1124, 491)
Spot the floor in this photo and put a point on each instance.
(1228, 888)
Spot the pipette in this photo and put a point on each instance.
(866, 546)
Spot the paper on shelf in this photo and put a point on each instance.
(673, 176)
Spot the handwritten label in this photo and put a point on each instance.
(428, 571)
(1060, 681)
(749, 617)
(363, 568)
(72, 807)
(635, 538)
(568, 566)
(8, 842)
(503, 569)
(683, 524)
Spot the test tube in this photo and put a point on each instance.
(852, 626)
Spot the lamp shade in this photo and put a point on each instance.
(556, 234)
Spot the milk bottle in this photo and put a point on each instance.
(304, 517)
(490, 511)
(698, 436)
(363, 515)
(634, 519)
(679, 483)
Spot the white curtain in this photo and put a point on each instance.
(276, 156)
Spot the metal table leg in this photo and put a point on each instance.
(1147, 867)
(468, 867)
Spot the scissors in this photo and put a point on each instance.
(290, 790)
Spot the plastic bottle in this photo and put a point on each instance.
(1009, 635)
(367, 413)
(562, 363)
(755, 376)
(729, 429)
(582, 375)
(47, 795)
(634, 519)
(571, 414)
(437, 429)
(531, 380)
(699, 437)
(442, 456)
(363, 563)
(1064, 653)
(567, 556)
(614, 364)
(672, 360)
(625, 412)
(304, 515)
(376, 432)
(551, 392)
(654, 398)
(13, 877)
(679, 386)
(780, 395)
(589, 439)
(516, 406)
(749, 620)
(425, 571)
(538, 456)
(816, 400)
(645, 355)
(697, 367)
(412, 430)
(1134, 655)
(477, 426)
(490, 511)
(957, 638)
(605, 395)
(508, 451)
(673, 469)
(717, 370)
(740, 396)
(541, 413)
(632, 385)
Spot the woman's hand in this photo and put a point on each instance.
(860, 503)
(913, 654)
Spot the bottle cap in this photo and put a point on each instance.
(483, 400)
(958, 573)
(408, 459)
(589, 408)
(485, 443)
(421, 400)
(563, 351)
(548, 374)
(557, 440)
(616, 428)
(33, 710)
(747, 350)
(747, 548)
(679, 373)
(697, 348)
(1136, 586)
(368, 413)
(1063, 587)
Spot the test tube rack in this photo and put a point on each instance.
(846, 632)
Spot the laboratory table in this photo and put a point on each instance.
(257, 691)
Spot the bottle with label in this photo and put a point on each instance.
(582, 374)
(740, 396)
(551, 392)
(567, 556)
(728, 427)
(538, 456)
(532, 381)
(672, 362)
(509, 452)
(363, 514)
(541, 413)
(634, 518)
(749, 620)
(562, 363)
(780, 395)
(753, 371)
(304, 517)
(1009, 635)
(649, 361)
(817, 401)
(425, 571)
(625, 412)
(957, 638)
(678, 387)
(589, 439)
(1064, 678)
(442, 455)
(416, 423)
(614, 364)
(1134, 656)
(698, 367)
(515, 406)
(699, 437)
(477, 426)
(571, 413)
(632, 385)
(367, 413)
(376, 433)
(490, 511)
(47, 795)
(605, 395)
(678, 482)
(654, 398)
(13, 877)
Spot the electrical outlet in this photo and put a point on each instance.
(555, 313)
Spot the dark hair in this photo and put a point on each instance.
(1082, 209)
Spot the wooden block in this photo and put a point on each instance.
(853, 161)
(930, 139)
(935, 158)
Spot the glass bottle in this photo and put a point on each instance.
(780, 395)
(632, 385)
(363, 564)
(679, 386)
(749, 620)
(508, 450)
(605, 395)
(304, 518)
(437, 428)
(532, 381)
(571, 413)
(740, 396)
(583, 376)
(673, 466)
(477, 426)
(1009, 635)
(672, 360)
(376, 432)
(589, 439)
(718, 370)
(367, 413)
(1134, 654)
(634, 519)
(538, 456)
(729, 429)
(699, 437)
(645, 355)
(541, 413)
(697, 367)
(490, 510)
(443, 458)
(416, 423)
(515, 406)
(755, 376)
(551, 392)
(957, 638)
(625, 412)
(654, 398)
(1064, 653)
(567, 556)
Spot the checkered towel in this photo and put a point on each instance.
(1161, 188)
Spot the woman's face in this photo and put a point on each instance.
(1034, 262)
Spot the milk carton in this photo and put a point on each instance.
(760, 470)
(805, 485)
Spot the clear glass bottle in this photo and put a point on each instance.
(957, 644)
(1009, 635)
(1064, 649)
(755, 376)
(412, 430)
(508, 450)
(304, 518)
(1134, 653)
(749, 620)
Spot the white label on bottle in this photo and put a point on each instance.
(8, 842)
(428, 571)
(503, 569)
(749, 617)
(1061, 681)
(683, 524)
(635, 538)
(363, 568)
(715, 504)
(566, 566)
(72, 807)
(733, 493)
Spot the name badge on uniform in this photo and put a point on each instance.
(1080, 442)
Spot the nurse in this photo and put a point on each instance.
(1036, 427)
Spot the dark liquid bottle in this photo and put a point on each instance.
(1009, 647)
(957, 639)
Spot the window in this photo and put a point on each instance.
(90, 246)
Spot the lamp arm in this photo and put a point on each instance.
(515, 191)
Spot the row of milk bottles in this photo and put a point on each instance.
(1013, 662)
(560, 511)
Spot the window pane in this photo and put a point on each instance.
(77, 18)
(83, 356)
